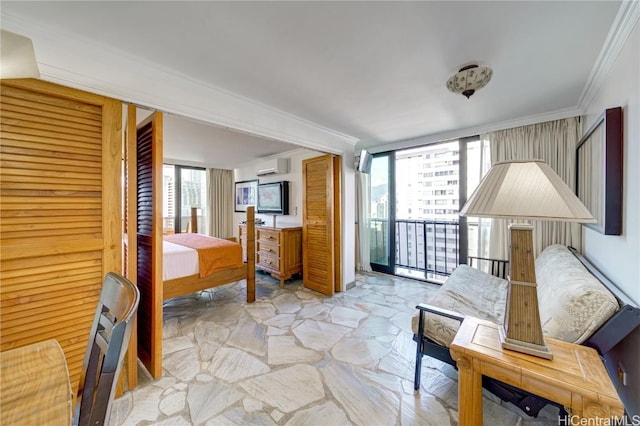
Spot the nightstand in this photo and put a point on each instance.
(575, 378)
(278, 250)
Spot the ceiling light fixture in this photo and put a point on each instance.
(469, 79)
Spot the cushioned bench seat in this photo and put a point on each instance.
(572, 302)
(467, 291)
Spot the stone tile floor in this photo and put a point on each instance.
(296, 357)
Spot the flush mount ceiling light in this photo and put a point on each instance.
(469, 79)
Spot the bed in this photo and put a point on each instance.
(194, 262)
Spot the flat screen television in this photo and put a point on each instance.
(273, 198)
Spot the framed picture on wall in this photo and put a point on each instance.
(599, 172)
(245, 194)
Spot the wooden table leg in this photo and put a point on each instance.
(469, 392)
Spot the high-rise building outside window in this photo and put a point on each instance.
(423, 178)
(183, 189)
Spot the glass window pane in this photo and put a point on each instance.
(193, 193)
(380, 210)
(427, 205)
(478, 164)
(168, 198)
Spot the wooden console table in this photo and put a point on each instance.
(575, 378)
(34, 386)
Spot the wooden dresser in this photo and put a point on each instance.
(278, 250)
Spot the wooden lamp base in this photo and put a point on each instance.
(522, 327)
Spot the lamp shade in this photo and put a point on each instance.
(525, 190)
(18, 59)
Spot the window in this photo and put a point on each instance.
(183, 188)
(422, 225)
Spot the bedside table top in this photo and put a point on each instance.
(574, 376)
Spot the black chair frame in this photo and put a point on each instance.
(108, 342)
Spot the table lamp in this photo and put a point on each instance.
(524, 190)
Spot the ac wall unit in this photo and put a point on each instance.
(274, 166)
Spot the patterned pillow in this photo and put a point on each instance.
(573, 303)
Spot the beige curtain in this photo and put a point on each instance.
(220, 202)
(555, 143)
(363, 203)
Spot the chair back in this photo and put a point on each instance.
(108, 341)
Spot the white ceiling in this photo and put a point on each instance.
(371, 71)
(189, 142)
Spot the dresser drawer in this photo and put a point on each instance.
(267, 262)
(268, 235)
(278, 250)
(269, 248)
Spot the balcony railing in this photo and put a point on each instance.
(426, 247)
(379, 243)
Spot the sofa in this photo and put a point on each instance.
(574, 302)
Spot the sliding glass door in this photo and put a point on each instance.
(416, 196)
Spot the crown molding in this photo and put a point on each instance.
(84, 64)
(622, 27)
(474, 130)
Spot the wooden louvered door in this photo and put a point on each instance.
(321, 224)
(60, 230)
(148, 232)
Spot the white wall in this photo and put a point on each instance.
(618, 257)
(248, 172)
(294, 218)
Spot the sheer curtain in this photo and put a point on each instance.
(363, 203)
(478, 166)
(555, 143)
(220, 202)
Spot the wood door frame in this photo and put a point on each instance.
(337, 222)
(131, 267)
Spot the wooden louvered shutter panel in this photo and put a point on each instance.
(149, 242)
(317, 225)
(60, 228)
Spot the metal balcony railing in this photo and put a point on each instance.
(427, 246)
